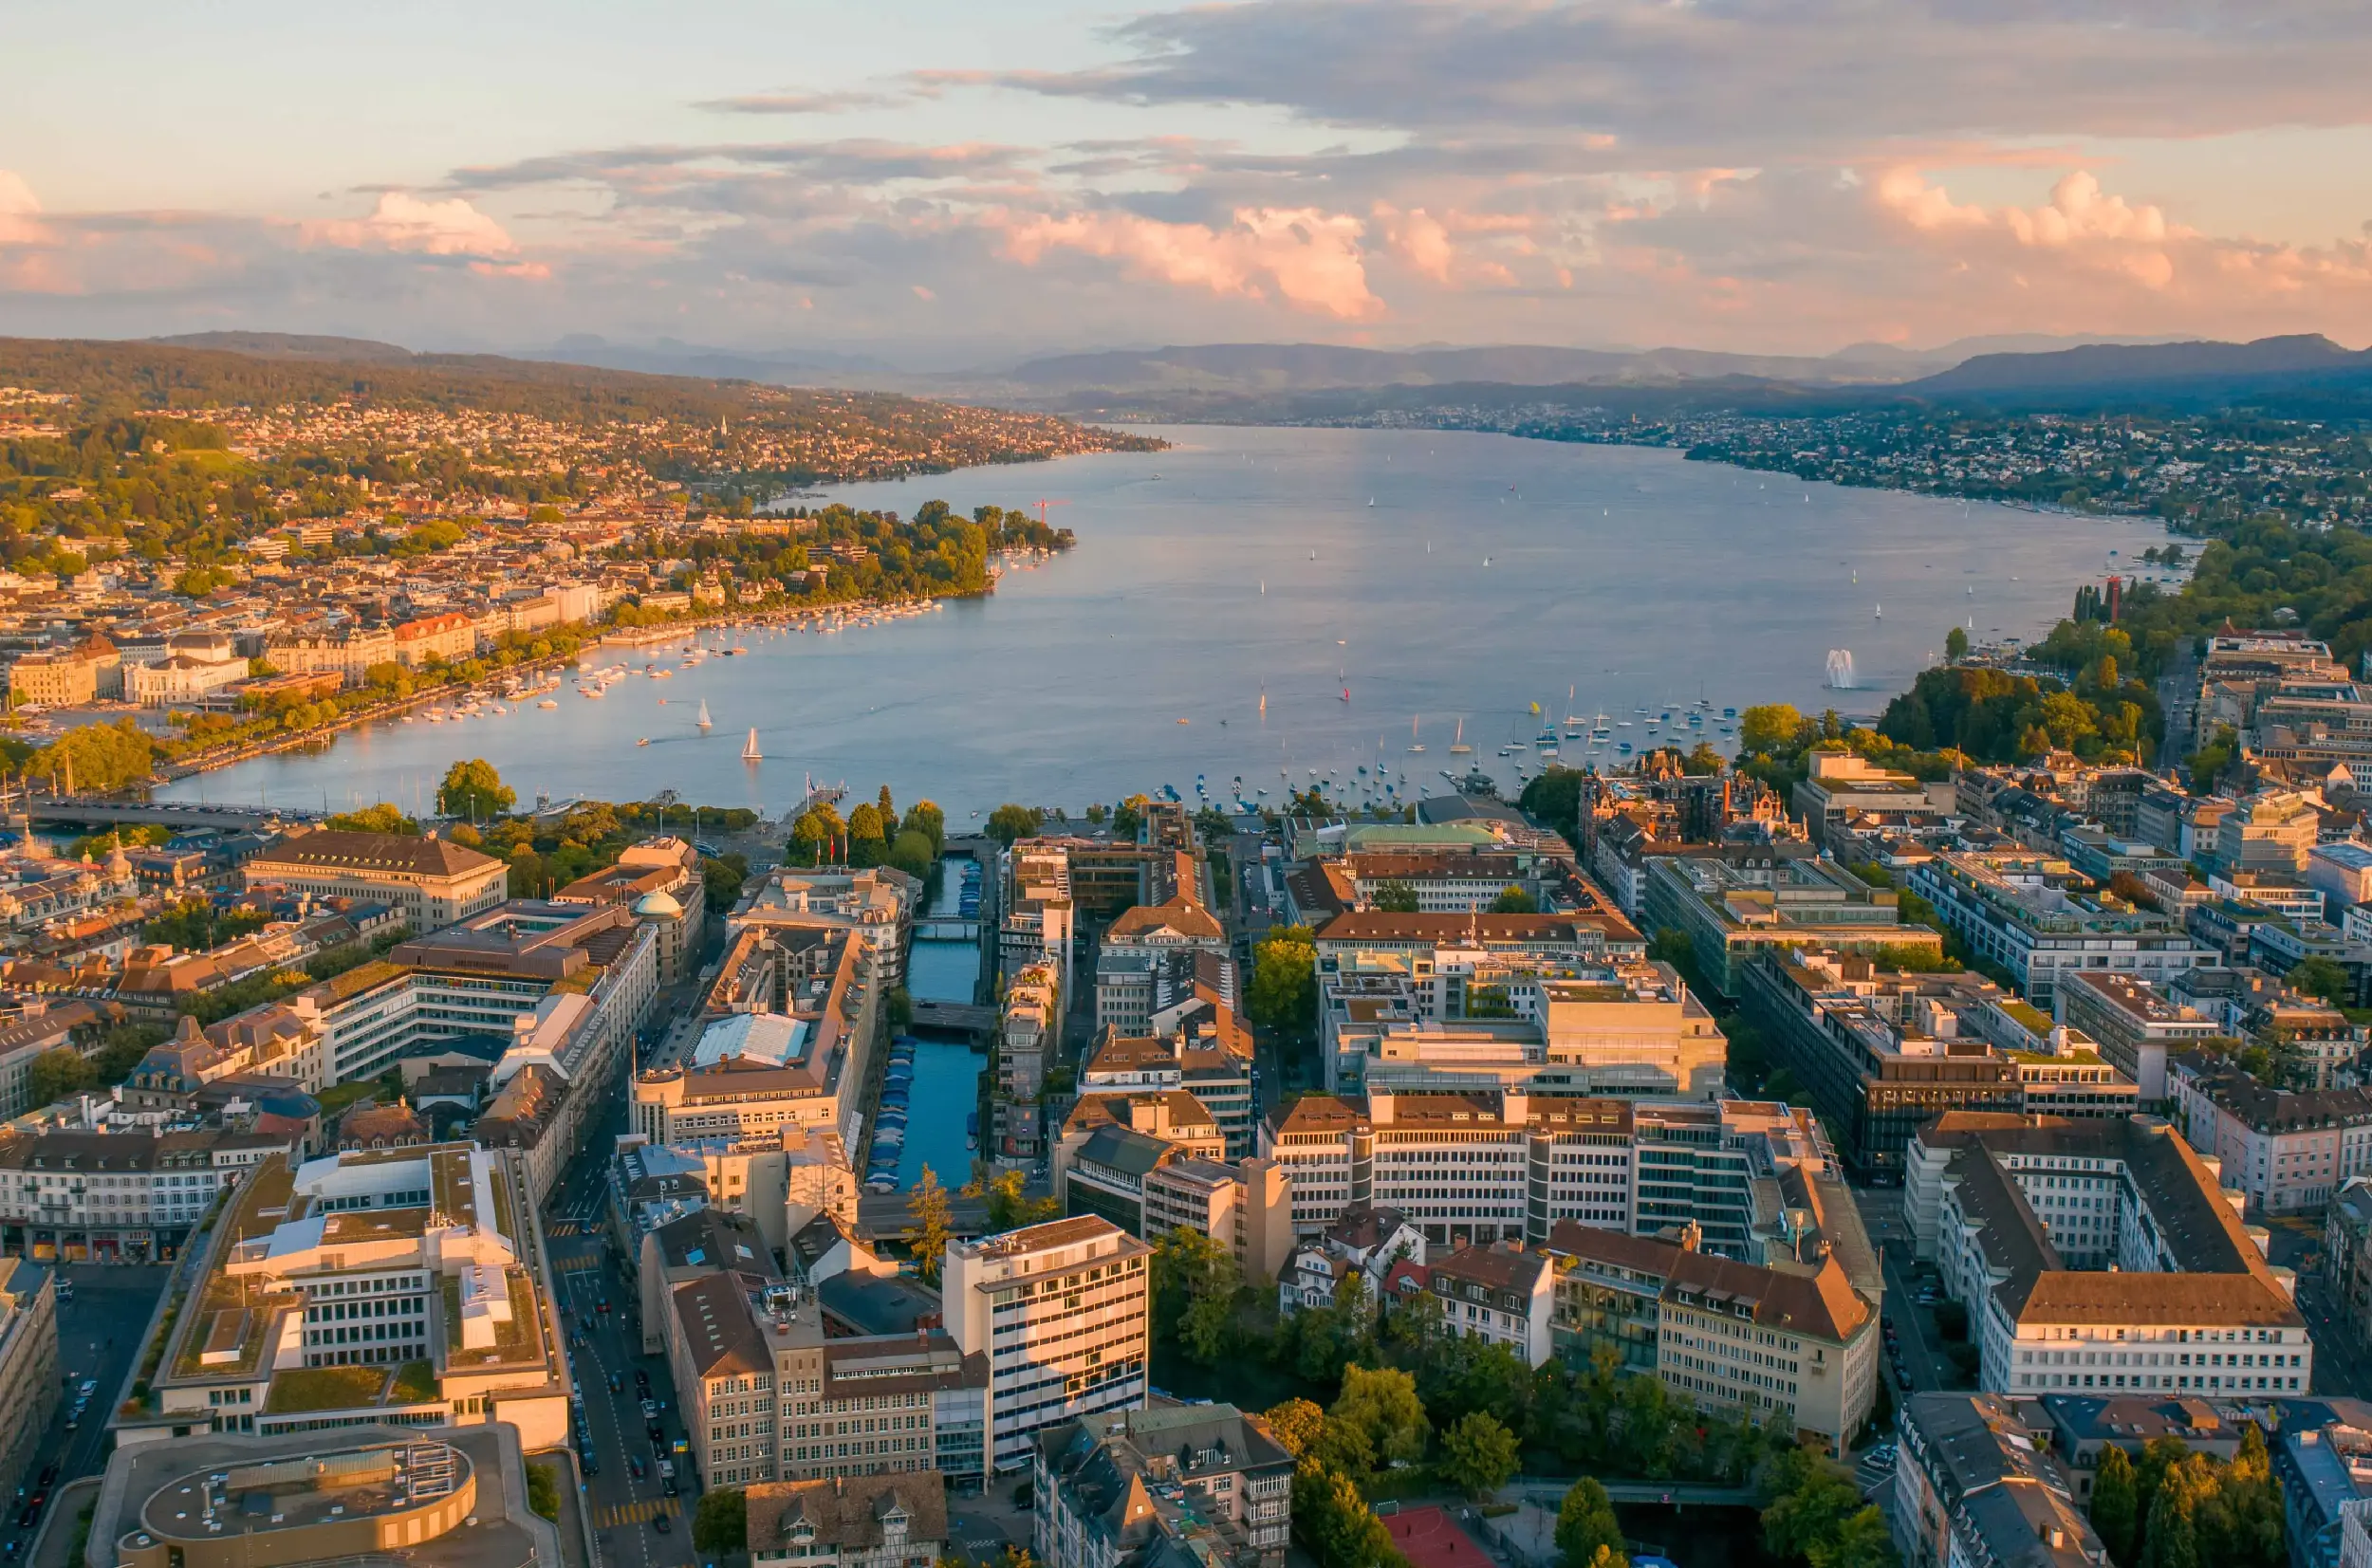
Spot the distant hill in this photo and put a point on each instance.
(1258, 368)
(2103, 365)
(288, 345)
(777, 367)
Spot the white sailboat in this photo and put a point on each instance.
(749, 753)
(706, 723)
(1458, 747)
(1414, 744)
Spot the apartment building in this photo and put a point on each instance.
(1732, 914)
(1184, 1483)
(400, 1286)
(2035, 917)
(1499, 1293)
(1053, 887)
(1111, 1142)
(29, 1389)
(874, 905)
(1793, 1344)
(1028, 1025)
(1976, 1487)
(2136, 1028)
(2100, 1255)
(433, 882)
(116, 1198)
(658, 881)
(1061, 1311)
(31, 1035)
(2288, 1151)
(880, 1520)
(1244, 1207)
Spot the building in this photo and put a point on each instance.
(457, 1499)
(1976, 1487)
(1797, 1343)
(69, 677)
(1732, 914)
(883, 1521)
(2100, 1256)
(2348, 1255)
(2135, 1027)
(2037, 918)
(1111, 1142)
(29, 1365)
(1499, 1293)
(116, 1198)
(1842, 786)
(1028, 1027)
(1184, 1483)
(2324, 1467)
(1245, 1208)
(400, 1286)
(32, 1035)
(1061, 1310)
(2087, 1425)
(433, 881)
(658, 881)
(873, 905)
(2342, 872)
(2290, 1151)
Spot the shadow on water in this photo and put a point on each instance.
(1698, 1535)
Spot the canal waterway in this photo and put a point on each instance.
(947, 1078)
(1283, 603)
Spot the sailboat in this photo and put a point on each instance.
(1264, 702)
(1458, 745)
(706, 723)
(1414, 745)
(1877, 613)
(749, 753)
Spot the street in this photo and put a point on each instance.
(99, 1332)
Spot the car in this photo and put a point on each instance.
(601, 1305)
(642, 1378)
(650, 1409)
(659, 1522)
(24, 1517)
(48, 1474)
(591, 1465)
(7, 1553)
(656, 1432)
(73, 1420)
(617, 1384)
(90, 1386)
(636, 1467)
(669, 1486)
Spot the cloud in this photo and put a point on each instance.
(403, 222)
(19, 213)
(1309, 258)
(797, 103)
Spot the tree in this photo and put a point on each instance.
(1477, 1454)
(543, 1491)
(924, 817)
(382, 818)
(56, 1074)
(1334, 1521)
(474, 790)
(1771, 729)
(1586, 1523)
(2319, 977)
(1284, 993)
(1396, 897)
(1382, 1406)
(1514, 900)
(1296, 1424)
(1009, 822)
(1955, 645)
(933, 1223)
(722, 1524)
(1009, 1209)
(912, 852)
(1862, 1540)
(2115, 1495)
(1703, 761)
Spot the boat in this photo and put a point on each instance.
(1458, 744)
(661, 674)
(1599, 733)
(1879, 612)
(749, 753)
(1414, 745)
(547, 703)
(645, 741)
(705, 721)
(972, 1118)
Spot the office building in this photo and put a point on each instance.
(2037, 918)
(658, 881)
(875, 906)
(1061, 1310)
(1798, 1344)
(1734, 913)
(1245, 1207)
(2100, 1255)
(2288, 1151)
(1976, 1487)
(1202, 1484)
(1842, 786)
(399, 1286)
(433, 882)
(2137, 1029)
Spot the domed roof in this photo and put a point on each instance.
(292, 1103)
(657, 904)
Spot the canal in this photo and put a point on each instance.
(947, 1078)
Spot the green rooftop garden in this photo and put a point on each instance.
(416, 1383)
(324, 1389)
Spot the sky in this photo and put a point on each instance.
(941, 184)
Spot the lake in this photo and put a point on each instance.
(1445, 581)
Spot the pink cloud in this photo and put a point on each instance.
(404, 222)
(19, 213)
(1311, 260)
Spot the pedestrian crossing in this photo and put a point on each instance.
(634, 1513)
(571, 1227)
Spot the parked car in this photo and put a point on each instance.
(90, 1386)
(650, 1409)
(658, 1523)
(669, 1486)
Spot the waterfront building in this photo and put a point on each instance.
(399, 1286)
(1028, 1025)
(68, 678)
(1184, 1483)
(1050, 885)
(107, 1198)
(2288, 1151)
(1732, 914)
(2037, 918)
(2137, 1029)
(658, 881)
(1111, 1142)
(1976, 1487)
(29, 1366)
(433, 881)
(879, 1521)
(1797, 1343)
(2100, 1255)
(1061, 1310)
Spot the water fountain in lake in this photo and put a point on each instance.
(1840, 676)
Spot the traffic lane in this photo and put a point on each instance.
(99, 1334)
(619, 1435)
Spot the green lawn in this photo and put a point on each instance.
(416, 1383)
(324, 1389)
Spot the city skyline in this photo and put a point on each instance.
(944, 186)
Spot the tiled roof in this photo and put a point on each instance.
(332, 850)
